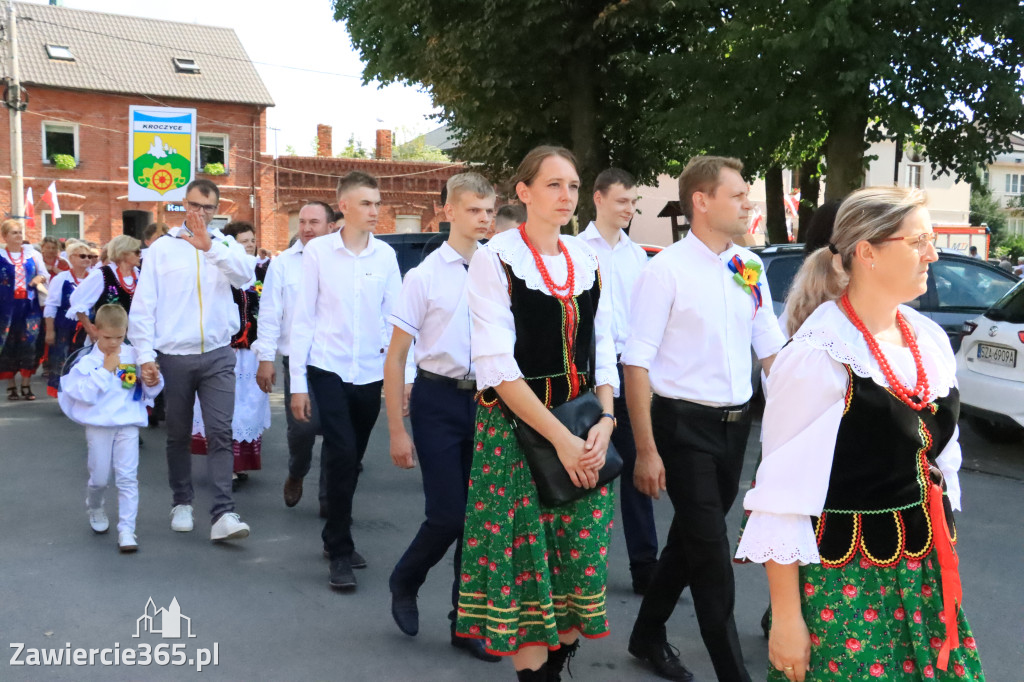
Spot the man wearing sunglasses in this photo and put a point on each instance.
(183, 317)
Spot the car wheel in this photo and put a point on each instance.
(994, 432)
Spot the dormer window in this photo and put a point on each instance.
(185, 65)
(60, 53)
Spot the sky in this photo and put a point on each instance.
(302, 34)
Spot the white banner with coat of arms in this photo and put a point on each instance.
(161, 152)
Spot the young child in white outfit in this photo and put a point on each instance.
(104, 391)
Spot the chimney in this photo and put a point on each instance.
(324, 146)
(383, 145)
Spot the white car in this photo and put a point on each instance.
(990, 369)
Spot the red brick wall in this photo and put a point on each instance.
(98, 187)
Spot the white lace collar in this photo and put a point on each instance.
(513, 251)
(829, 329)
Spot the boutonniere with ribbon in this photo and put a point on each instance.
(258, 288)
(748, 276)
(128, 374)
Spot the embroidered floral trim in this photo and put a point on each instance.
(492, 370)
(782, 538)
(513, 251)
(828, 329)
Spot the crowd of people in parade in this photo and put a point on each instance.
(483, 342)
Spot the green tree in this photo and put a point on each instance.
(985, 210)
(417, 149)
(508, 76)
(354, 149)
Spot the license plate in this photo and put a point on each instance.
(1006, 357)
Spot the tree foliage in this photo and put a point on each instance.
(644, 84)
(354, 149)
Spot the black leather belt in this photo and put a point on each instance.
(457, 384)
(732, 413)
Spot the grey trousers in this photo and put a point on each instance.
(211, 376)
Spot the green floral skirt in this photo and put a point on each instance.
(529, 572)
(869, 623)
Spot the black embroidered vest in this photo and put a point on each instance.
(552, 340)
(248, 302)
(113, 292)
(877, 501)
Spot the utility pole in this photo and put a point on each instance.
(15, 107)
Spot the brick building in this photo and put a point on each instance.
(83, 69)
(410, 190)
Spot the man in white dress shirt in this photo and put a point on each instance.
(183, 316)
(696, 310)
(277, 307)
(434, 312)
(621, 261)
(350, 282)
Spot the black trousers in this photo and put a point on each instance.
(302, 436)
(703, 457)
(443, 420)
(347, 415)
(637, 508)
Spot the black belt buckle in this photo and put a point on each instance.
(457, 384)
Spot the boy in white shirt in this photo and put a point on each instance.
(106, 393)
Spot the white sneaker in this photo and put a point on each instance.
(126, 542)
(98, 521)
(181, 518)
(229, 527)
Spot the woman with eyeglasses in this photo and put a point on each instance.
(111, 283)
(852, 509)
(64, 335)
(22, 286)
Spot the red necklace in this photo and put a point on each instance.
(916, 400)
(563, 292)
(135, 280)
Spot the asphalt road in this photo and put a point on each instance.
(263, 604)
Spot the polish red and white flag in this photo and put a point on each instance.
(50, 197)
(30, 209)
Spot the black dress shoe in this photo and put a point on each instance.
(405, 613)
(662, 656)
(475, 647)
(342, 577)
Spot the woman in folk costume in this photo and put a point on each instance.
(533, 578)
(852, 509)
(252, 405)
(64, 335)
(114, 282)
(22, 284)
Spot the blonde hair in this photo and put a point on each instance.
(702, 174)
(76, 247)
(111, 316)
(120, 246)
(8, 225)
(870, 214)
(474, 183)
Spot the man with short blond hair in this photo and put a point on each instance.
(691, 328)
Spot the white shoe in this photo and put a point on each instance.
(229, 527)
(98, 520)
(126, 542)
(181, 518)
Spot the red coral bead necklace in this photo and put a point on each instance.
(562, 292)
(918, 399)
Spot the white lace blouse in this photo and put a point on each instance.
(494, 332)
(805, 403)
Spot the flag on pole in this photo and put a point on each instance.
(50, 197)
(30, 209)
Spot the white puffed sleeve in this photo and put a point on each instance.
(948, 463)
(494, 330)
(801, 419)
(605, 372)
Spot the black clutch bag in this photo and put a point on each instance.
(554, 486)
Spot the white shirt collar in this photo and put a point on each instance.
(450, 255)
(339, 243)
(594, 234)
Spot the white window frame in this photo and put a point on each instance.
(1013, 184)
(227, 149)
(913, 168)
(44, 216)
(63, 124)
